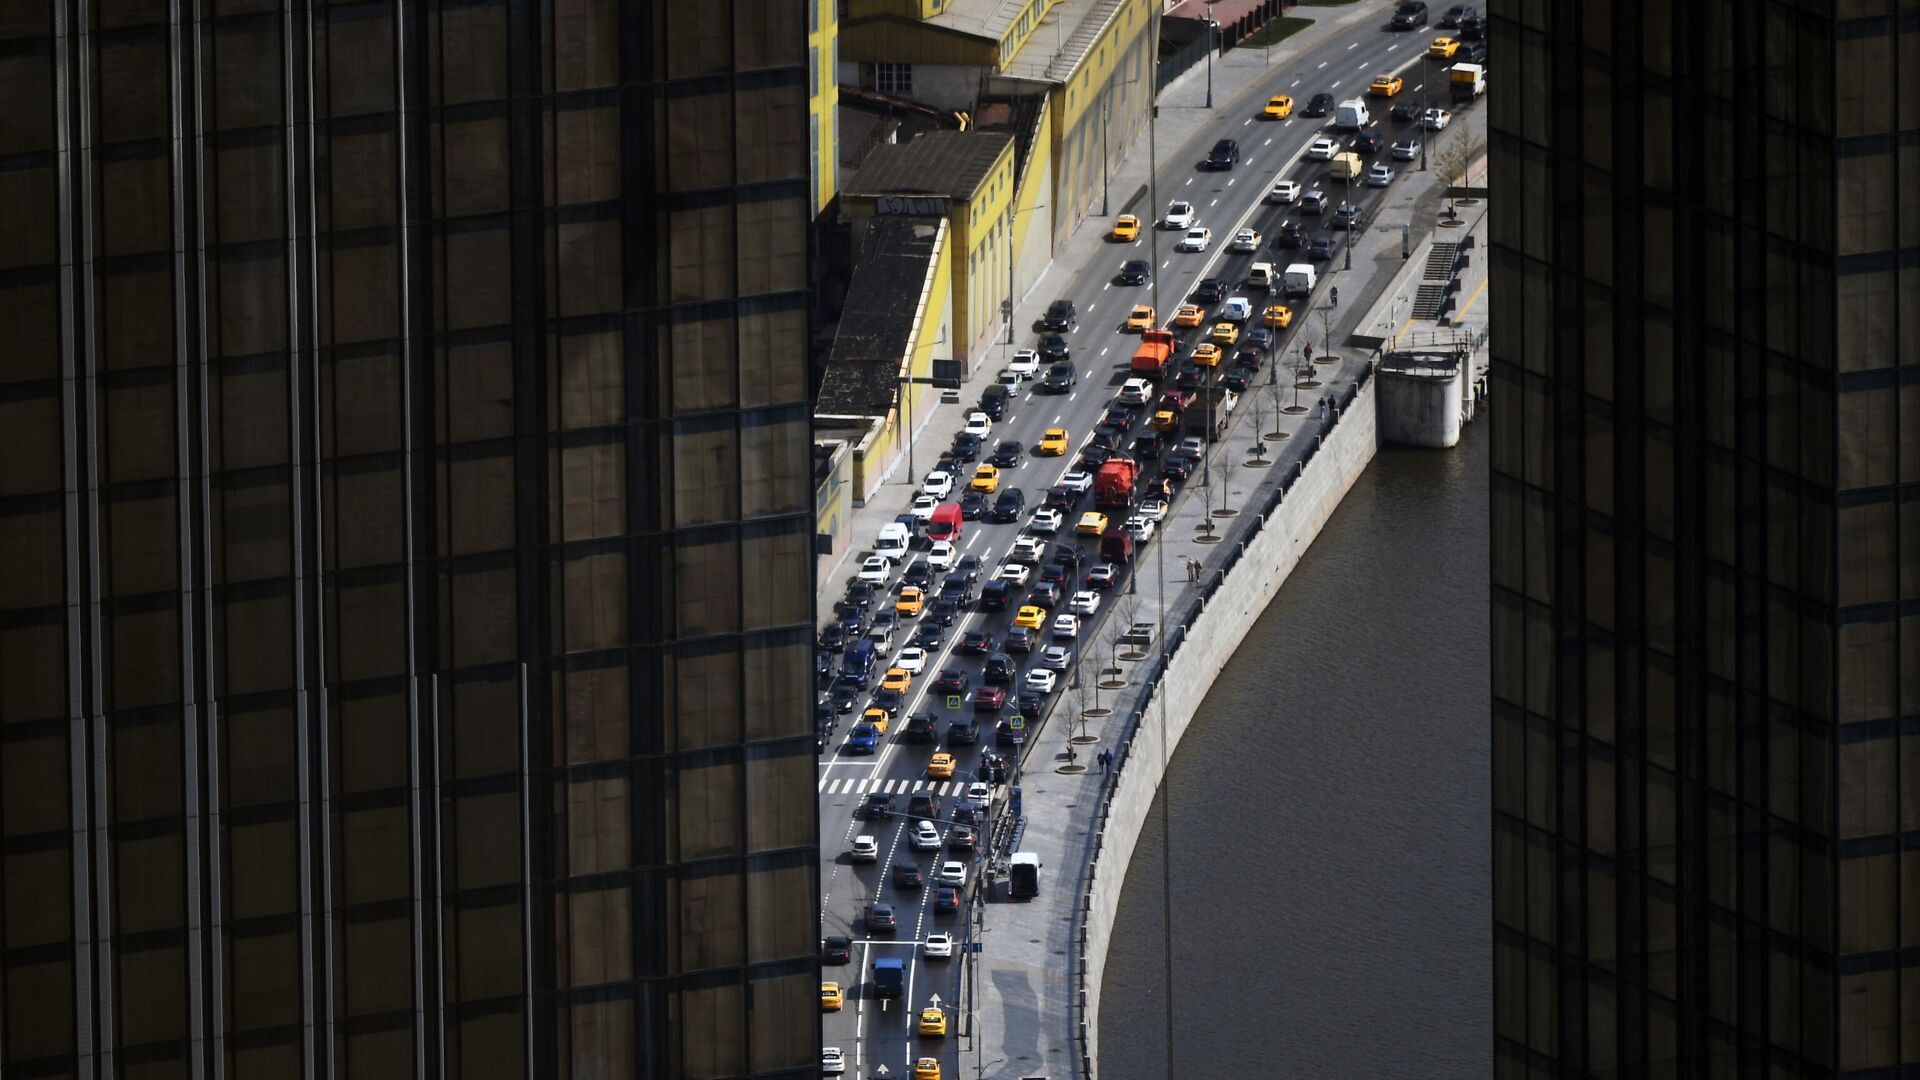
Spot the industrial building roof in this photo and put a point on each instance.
(950, 163)
(877, 324)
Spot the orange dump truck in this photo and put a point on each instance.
(1155, 353)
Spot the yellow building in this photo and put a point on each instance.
(968, 178)
(823, 99)
(895, 335)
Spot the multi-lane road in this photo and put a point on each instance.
(879, 1037)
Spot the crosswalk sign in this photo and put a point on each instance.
(953, 701)
(1017, 722)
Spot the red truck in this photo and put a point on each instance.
(1154, 355)
(946, 523)
(1113, 485)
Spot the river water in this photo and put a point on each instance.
(1330, 843)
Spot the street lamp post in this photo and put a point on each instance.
(1426, 65)
(1210, 28)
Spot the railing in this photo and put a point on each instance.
(1173, 635)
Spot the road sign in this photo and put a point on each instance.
(953, 701)
(973, 946)
(1018, 722)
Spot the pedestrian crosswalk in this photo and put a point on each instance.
(851, 786)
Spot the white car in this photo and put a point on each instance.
(1084, 602)
(1405, 150)
(1046, 521)
(1179, 215)
(1153, 509)
(1103, 575)
(1026, 363)
(1195, 240)
(1015, 573)
(832, 1061)
(952, 872)
(1285, 192)
(1139, 528)
(978, 424)
(865, 849)
(1077, 481)
(1027, 549)
(1379, 176)
(1246, 240)
(1042, 681)
(876, 569)
(938, 483)
(912, 660)
(979, 793)
(926, 836)
(939, 946)
(1056, 657)
(1322, 149)
(942, 555)
(923, 505)
(1136, 392)
(1066, 627)
(1435, 119)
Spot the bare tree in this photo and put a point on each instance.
(1225, 468)
(1456, 159)
(1126, 610)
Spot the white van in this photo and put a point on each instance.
(1299, 280)
(1237, 309)
(891, 544)
(1260, 276)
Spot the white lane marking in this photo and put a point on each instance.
(1296, 82)
(971, 540)
(1164, 264)
(1323, 63)
(1189, 181)
(1247, 121)
(1213, 202)
(1393, 46)
(1107, 286)
(1056, 418)
(1353, 46)
(1417, 89)
(1269, 142)
(1335, 86)
(1103, 352)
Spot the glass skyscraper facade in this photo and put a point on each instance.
(1706, 537)
(405, 540)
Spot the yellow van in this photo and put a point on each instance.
(1260, 276)
(1347, 167)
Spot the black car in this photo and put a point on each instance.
(993, 596)
(1009, 505)
(881, 920)
(1061, 497)
(860, 592)
(993, 401)
(942, 612)
(822, 666)
(1005, 734)
(1135, 272)
(1473, 51)
(1106, 435)
(1258, 338)
(1007, 454)
(1148, 445)
(1209, 291)
(1118, 417)
(1189, 379)
(966, 814)
(837, 949)
(919, 575)
(963, 732)
(849, 611)
(1453, 15)
(824, 718)
(1059, 380)
(1320, 250)
(1248, 358)
(946, 900)
(1053, 347)
(972, 505)
(1318, 105)
(1367, 142)
(906, 875)
(1092, 457)
(1223, 155)
(929, 634)
(1176, 467)
(846, 691)
(1019, 640)
(968, 567)
(1348, 216)
(1054, 574)
(1291, 234)
(1061, 317)
(1029, 702)
(887, 699)
(1067, 555)
(1410, 14)
(951, 681)
(833, 637)
(1408, 108)
(958, 590)
(974, 643)
(1235, 381)
(1474, 32)
(966, 447)
(920, 727)
(878, 805)
(998, 669)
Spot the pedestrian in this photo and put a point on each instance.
(1106, 760)
(1334, 295)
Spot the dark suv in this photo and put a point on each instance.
(993, 401)
(1059, 380)
(1410, 14)
(1061, 317)
(1135, 272)
(1223, 155)
(1008, 507)
(878, 805)
(1318, 105)
(881, 919)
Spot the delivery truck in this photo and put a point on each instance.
(1023, 874)
(889, 976)
(1299, 280)
(1155, 351)
(1113, 485)
(1467, 81)
(946, 523)
(1206, 415)
(1352, 115)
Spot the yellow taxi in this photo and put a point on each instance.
(1443, 48)
(1188, 315)
(986, 478)
(1279, 107)
(1031, 616)
(1224, 333)
(926, 1069)
(1053, 442)
(876, 716)
(897, 678)
(830, 997)
(1385, 85)
(1126, 228)
(1163, 421)
(1140, 318)
(940, 766)
(1279, 316)
(1093, 522)
(910, 602)
(1206, 354)
(933, 1022)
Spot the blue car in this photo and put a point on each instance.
(862, 739)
